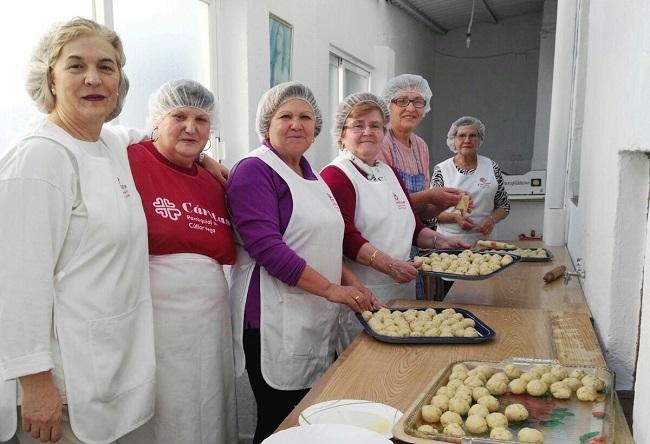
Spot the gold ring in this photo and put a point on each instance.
(356, 298)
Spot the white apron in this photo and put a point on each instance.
(481, 184)
(195, 373)
(102, 312)
(384, 217)
(298, 329)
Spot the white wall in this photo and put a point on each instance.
(494, 80)
(544, 85)
(356, 27)
(614, 185)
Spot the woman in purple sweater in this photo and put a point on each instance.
(286, 285)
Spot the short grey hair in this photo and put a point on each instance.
(48, 50)
(465, 121)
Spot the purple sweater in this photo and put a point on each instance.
(261, 205)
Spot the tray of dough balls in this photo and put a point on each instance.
(425, 326)
(464, 264)
(515, 401)
(526, 254)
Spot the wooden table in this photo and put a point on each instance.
(521, 286)
(397, 374)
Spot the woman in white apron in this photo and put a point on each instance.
(286, 285)
(76, 327)
(381, 225)
(190, 239)
(474, 174)
(408, 98)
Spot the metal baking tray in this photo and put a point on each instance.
(548, 258)
(560, 421)
(486, 333)
(464, 277)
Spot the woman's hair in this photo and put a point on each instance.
(354, 106)
(48, 50)
(404, 83)
(177, 94)
(276, 96)
(464, 121)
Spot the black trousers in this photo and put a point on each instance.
(272, 405)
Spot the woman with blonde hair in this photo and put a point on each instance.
(76, 329)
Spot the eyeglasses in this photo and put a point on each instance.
(466, 136)
(358, 128)
(403, 102)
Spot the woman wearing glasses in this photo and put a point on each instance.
(379, 216)
(474, 174)
(408, 98)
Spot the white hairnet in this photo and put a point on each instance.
(177, 94)
(347, 105)
(407, 82)
(276, 96)
(464, 121)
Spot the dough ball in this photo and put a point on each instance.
(476, 424)
(467, 322)
(499, 376)
(560, 372)
(426, 428)
(518, 386)
(496, 419)
(530, 435)
(557, 386)
(463, 396)
(512, 371)
(459, 405)
(447, 391)
(489, 402)
(516, 413)
(454, 429)
(577, 373)
(563, 392)
(441, 401)
(450, 418)
(540, 369)
(548, 378)
(485, 370)
(464, 391)
(529, 376)
(573, 383)
(476, 372)
(496, 387)
(366, 315)
(536, 387)
(479, 392)
(586, 393)
(460, 367)
(454, 384)
(430, 413)
(594, 381)
(478, 409)
(471, 332)
(458, 375)
(501, 433)
(474, 381)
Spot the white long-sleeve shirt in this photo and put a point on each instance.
(42, 220)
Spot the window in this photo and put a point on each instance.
(176, 44)
(347, 75)
(21, 25)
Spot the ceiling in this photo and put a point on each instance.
(444, 15)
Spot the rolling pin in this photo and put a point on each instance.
(555, 273)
